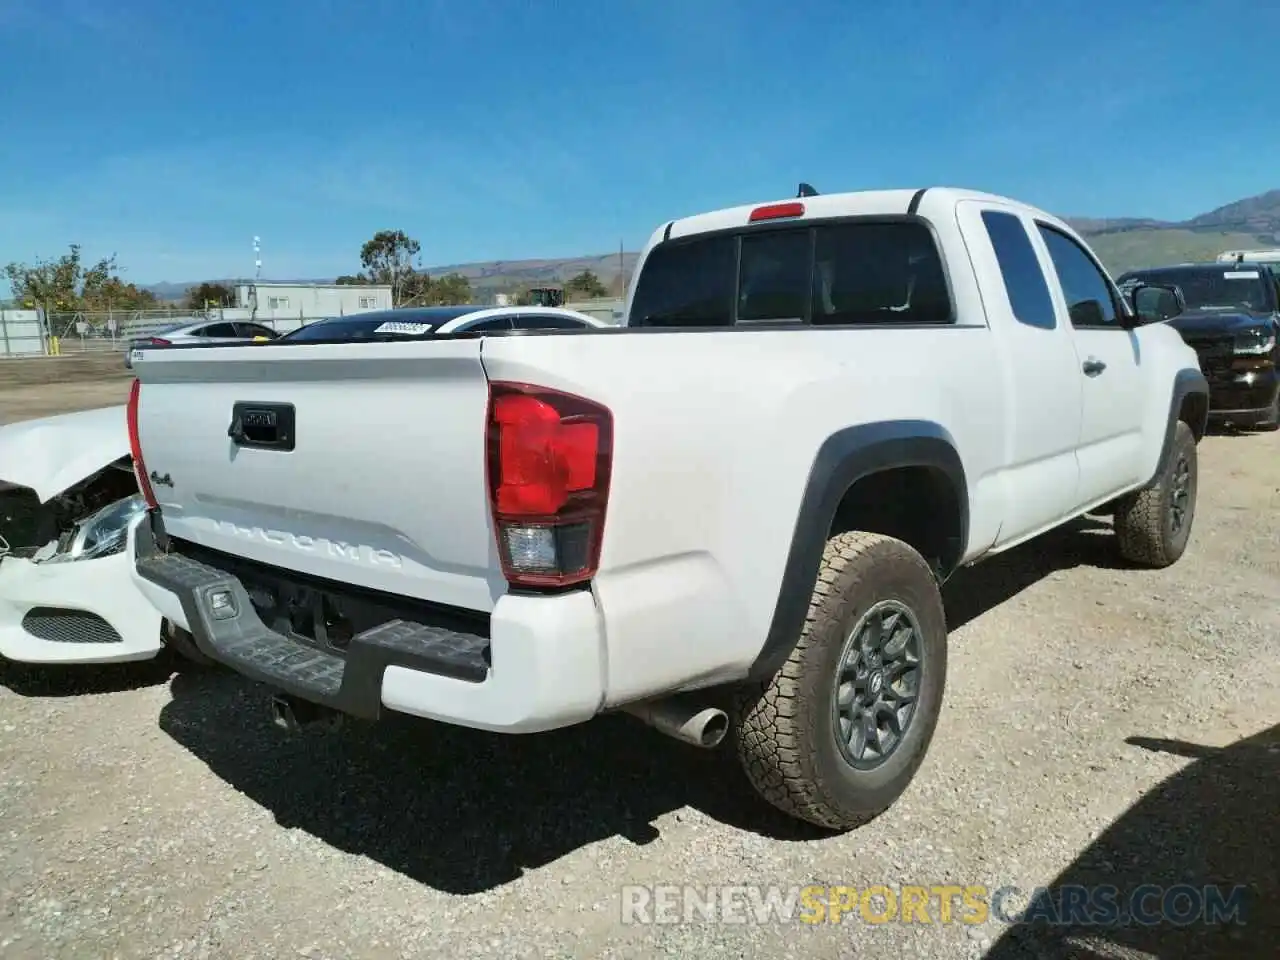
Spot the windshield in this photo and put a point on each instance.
(1234, 287)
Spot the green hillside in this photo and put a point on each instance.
(1129, 249)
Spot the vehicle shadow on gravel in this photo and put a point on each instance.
(1215, 823)
(1088, 541)
(78, 680)
(464, 811)
(459, 810)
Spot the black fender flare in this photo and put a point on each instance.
(844, 458)
(1186, 382)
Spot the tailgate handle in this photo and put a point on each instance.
(266, 426)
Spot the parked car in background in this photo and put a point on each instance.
(202, 331)
(1231, 316)
(421, 321)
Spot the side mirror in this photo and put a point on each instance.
(1154, 303)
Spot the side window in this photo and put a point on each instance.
(488, 326)
(1087, 292)
(254, 330)
(536, 321)
(878, 273)
(686, 284)
(1023, 279)
(774, 278)
(219, 330)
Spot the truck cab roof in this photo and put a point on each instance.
(859, 203)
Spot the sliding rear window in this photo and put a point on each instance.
(846, 274)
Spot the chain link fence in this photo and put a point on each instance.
(36, 333)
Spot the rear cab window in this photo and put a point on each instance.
(839, 273)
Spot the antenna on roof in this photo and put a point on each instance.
(806, 191)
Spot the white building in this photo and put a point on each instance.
(284, 301)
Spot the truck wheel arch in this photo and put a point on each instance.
(1188, 403)
(846, 462)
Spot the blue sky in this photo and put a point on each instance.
(171, 133)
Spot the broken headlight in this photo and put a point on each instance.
(99, 535)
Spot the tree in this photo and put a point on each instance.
(452, 288)
(210, 295)
(348, 280)
(114, 294)
(388, 259)
(587, 285)
(66, 284)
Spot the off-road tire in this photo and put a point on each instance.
(1144, 520)
(784, 728)
(184, 645)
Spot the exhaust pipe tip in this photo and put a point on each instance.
(703, 727)
(712, 725)
(294, 715)
(282, 715)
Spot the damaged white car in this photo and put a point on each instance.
(69, 505)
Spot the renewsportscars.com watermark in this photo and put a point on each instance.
(969, 904)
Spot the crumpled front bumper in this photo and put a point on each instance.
(83, 611)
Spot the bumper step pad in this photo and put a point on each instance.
(350, 681)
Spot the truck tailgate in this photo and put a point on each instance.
(382, 485)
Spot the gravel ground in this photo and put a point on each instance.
(1102, 726)
(22, 403)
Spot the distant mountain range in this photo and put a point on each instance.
(486, 278)
(1123, 243)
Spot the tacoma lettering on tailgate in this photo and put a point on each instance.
(337, 549)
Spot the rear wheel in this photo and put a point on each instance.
(1154, 525)
(837, 734)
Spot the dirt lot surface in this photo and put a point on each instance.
(23, 403)
(1103, 727)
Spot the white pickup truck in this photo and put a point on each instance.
(818, 409)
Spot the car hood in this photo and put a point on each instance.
(53, 454)
(1221, 322)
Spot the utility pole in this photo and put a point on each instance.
(257, 275)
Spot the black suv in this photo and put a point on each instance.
(1232, 319)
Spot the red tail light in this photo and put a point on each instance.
(135, 447)
(158, 341)
(777, 211)
(549, 458)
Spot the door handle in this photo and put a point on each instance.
(1092, 367)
